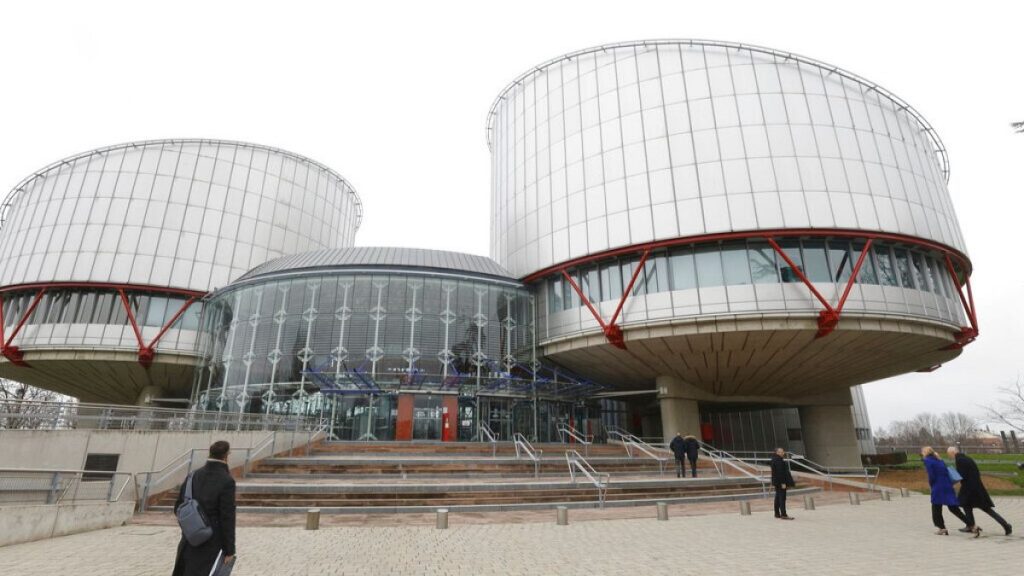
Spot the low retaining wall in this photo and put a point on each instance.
(27, 522)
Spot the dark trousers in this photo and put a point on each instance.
(969, 514)
(680, 467)
(693, 466)
(937, 515)
(780, 502)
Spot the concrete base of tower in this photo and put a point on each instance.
(679, 410)
(829, 435)
(105, 376)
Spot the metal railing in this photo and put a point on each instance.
(36, 415)
(722, 459)
(579, 464)
(486, 435)
(42, 486)
(828, 474)
(151, 486)
(523, 446)
(566, 433)
(632, 442)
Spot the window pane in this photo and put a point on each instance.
(763, 269)
(657, 274)
(840, 263)
(734, 262)
(815, 264)
(639, 286)
(555, 295)
(917, 269)
(886, 268)
(938, 273)
(903, 266)
(867, 274)
(683, 275)
(792, 250)
(709, 267)
(611, 281)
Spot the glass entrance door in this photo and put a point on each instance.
(426, 417)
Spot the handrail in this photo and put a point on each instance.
(58, 490)
(252, 452)
(532, 453)
(565, 430)
(485, 431)
(721, 458)
(170, 468)
(574, 460)
(629, 440)
(869, 473)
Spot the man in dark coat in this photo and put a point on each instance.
(678, 448)
(214, 489)
(973, 493)
(692, 452)
(782, 480)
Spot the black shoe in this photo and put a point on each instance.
(1009, 529)
(778, 516)
(786, 518)
(965, 530)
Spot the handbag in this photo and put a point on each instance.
(954, 476)
(194, 526)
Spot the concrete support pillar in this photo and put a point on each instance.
(829, 435)
(679, 410)
(148, 394)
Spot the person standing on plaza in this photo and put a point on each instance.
(692, 452)
(678, 447)
(973, 493)
(782, 480)
(941, 484)
(213, 489)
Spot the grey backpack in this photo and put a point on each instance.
(194, 526)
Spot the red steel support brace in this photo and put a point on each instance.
(146, 351)
(612, 330)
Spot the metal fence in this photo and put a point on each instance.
(965, 448)
(34, 415)
(28, 486)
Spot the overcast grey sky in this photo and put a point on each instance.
(394, 96)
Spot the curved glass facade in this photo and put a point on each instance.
(750, 276)
(382, 331)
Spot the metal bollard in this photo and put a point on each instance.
(563, 516)
(442, 518)
(808, 502)
(854, 499)
(662, 511)
(313, 519)
(904, 493)
(744, 508)
(886, 496)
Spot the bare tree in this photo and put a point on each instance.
(1010, 408)
(957, 426)
(23, 407)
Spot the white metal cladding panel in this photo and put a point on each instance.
(186, 214)
(636, 143)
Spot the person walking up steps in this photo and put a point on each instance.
(678, 447)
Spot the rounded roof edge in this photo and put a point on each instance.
(380, 257)
(940, 148)
(20, 187)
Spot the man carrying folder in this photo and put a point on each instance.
(213, 489)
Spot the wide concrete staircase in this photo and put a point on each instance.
(389, 477)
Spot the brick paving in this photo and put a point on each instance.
(875, 538)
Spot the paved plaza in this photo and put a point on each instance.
(874, 538)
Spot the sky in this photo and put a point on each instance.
(394, 96)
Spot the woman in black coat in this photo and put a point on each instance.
(973, 493)
(782, 480)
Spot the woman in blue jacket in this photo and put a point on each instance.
(942, 489)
